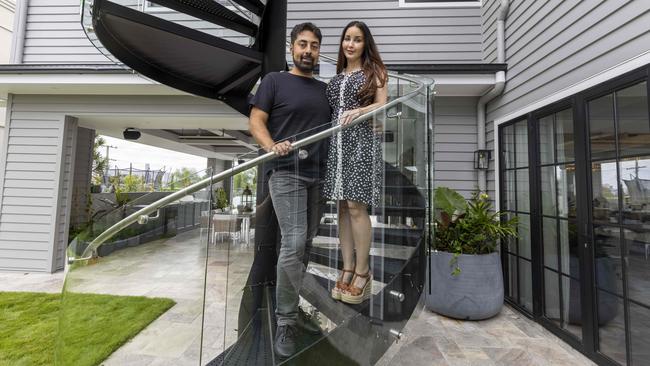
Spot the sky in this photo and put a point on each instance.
(138, 154)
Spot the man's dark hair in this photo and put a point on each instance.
(298, 28)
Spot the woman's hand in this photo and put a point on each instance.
(350, 115)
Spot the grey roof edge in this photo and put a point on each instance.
(473, 68)
(64, 69)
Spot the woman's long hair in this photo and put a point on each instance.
(371, 63)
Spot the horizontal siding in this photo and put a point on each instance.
(54, 33)
(552, 46)
(29, 186)
(454, 144)
(64, 194)
(404, 35)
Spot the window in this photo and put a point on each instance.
(439, 3)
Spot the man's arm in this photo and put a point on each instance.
(257, 127)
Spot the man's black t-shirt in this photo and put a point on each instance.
(297, 108)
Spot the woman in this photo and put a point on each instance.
(355, 161)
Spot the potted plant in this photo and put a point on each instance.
(465, 264)
(220, 199)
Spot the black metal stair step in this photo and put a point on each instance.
(384, 269)
(389, 210)
(174, 54)
(213, 12)
(256, 6)
(316, 290)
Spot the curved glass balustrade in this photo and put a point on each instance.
(219, 265)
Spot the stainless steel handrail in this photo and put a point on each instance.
(108, 233)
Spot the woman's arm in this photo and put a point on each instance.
(381, 96)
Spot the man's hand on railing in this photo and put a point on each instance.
(281, 148)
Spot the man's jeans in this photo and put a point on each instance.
(296, 203)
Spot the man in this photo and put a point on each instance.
(290, 106)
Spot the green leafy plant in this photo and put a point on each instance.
(100, 163)
(220, 198)
(468, 227)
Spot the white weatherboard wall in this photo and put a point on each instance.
(36, 175)
(551, 45)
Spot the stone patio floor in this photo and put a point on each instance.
(428, 339)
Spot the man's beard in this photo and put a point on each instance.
(305, 67)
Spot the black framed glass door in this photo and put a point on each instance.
(583, 200)
(619, 160)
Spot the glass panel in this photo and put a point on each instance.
(564, 136)
(526, 284)
(602, 133)
(566, 187)
(611, 330)
(549, 236)
(546, 141)
(521, 139)
(143, 284)
(552, 296)
(635, 183)
(508, 146)
(604, 191)
(633, 125)
(512, 277)
(572, 306)
(549, 206)
(511, 242)
(639, 334)
(511, 203)
(523, 191)
(609, 273)
(523, 229)
(569, 249)
(638, 264)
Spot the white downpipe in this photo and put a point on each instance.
(497, 89)
(18, 39)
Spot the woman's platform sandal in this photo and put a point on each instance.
(356, 295)
(341, 285)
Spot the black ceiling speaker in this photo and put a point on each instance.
(132, 134)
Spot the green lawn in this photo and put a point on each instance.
(93, 326)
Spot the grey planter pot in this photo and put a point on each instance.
(476, 293)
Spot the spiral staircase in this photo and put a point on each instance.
(219, 50)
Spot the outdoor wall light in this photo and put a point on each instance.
(482, 159)
(131, 134)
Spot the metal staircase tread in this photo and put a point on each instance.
(383, 269)
(256, 6)
(147, 20)
(213, 12)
